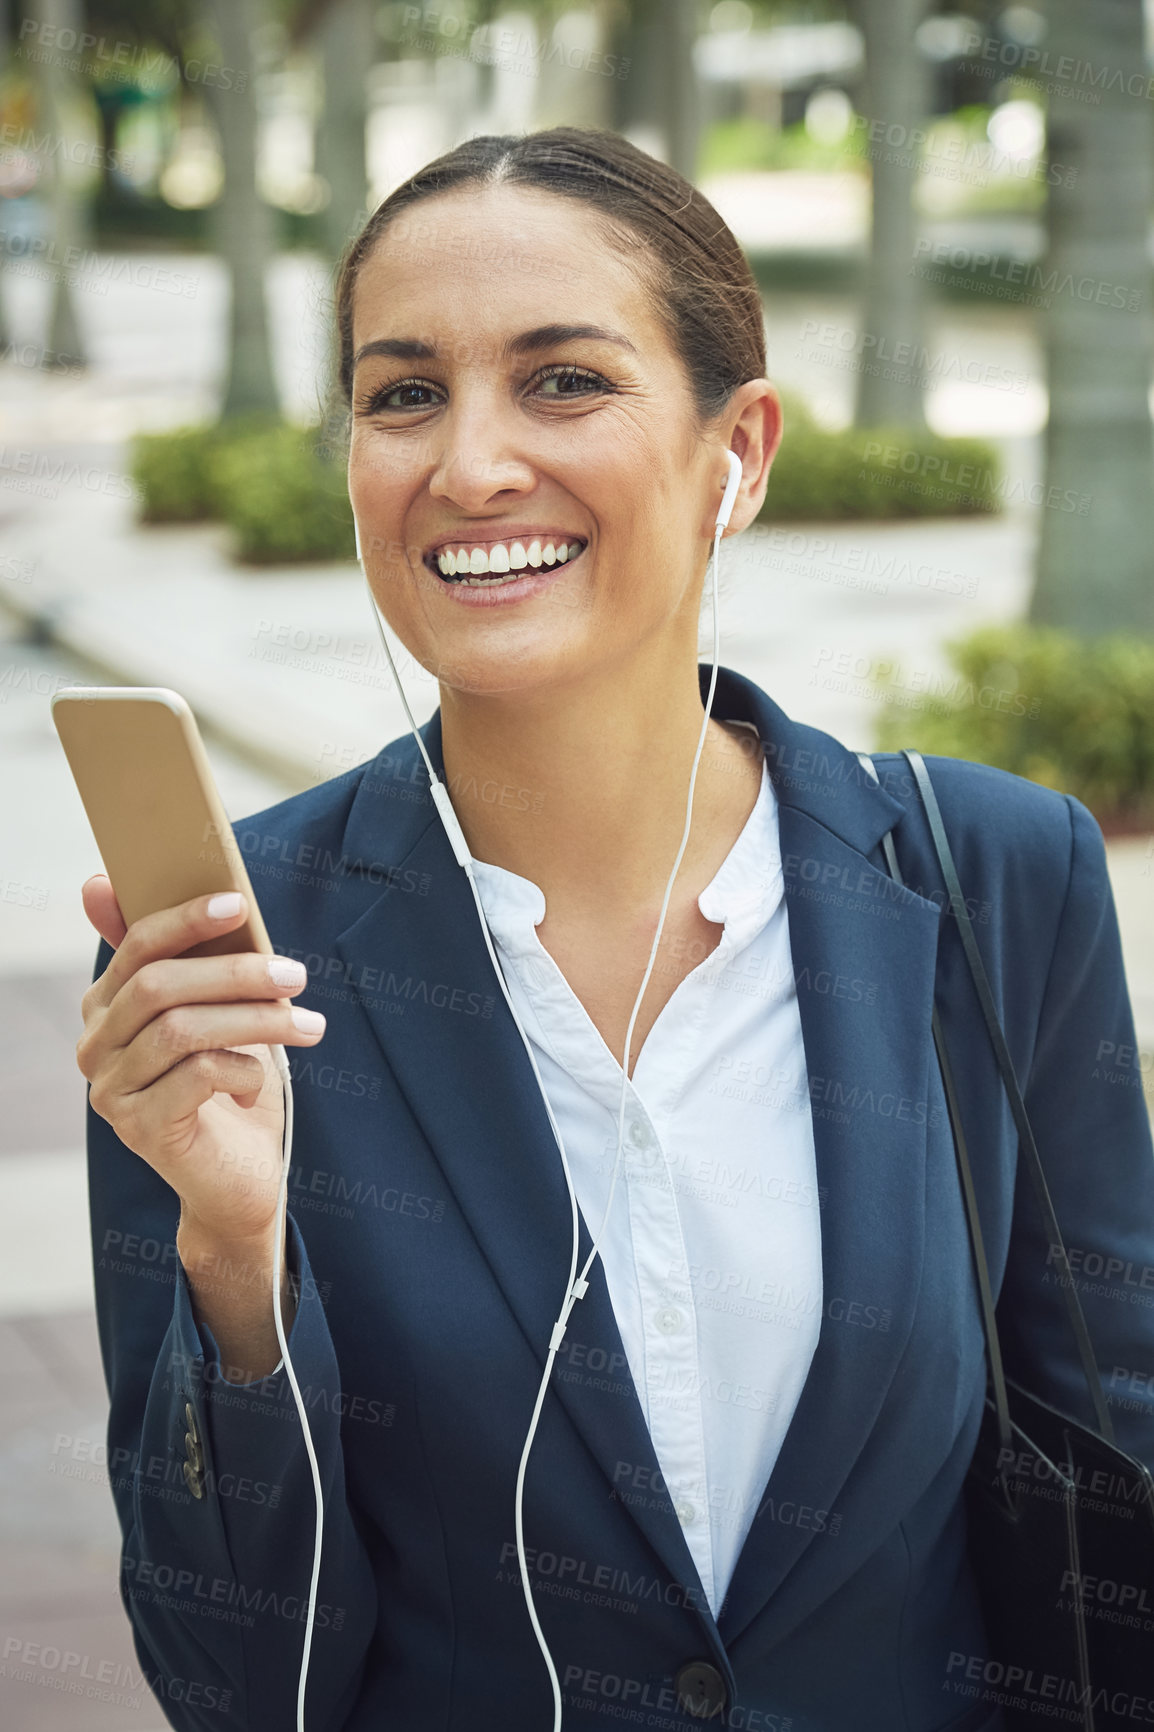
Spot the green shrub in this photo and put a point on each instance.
(877, 472)
(174, 471)
(1070, 713)
(283, 498)
(171, 471)
(262, 476)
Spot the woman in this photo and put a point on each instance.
(744, 1499)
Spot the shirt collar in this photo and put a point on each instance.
(741, 896)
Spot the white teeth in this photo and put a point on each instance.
(476, 564)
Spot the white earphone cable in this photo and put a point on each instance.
(576, 1285)
(280, 1060)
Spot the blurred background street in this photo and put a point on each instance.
(962, 335)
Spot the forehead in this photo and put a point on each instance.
(499, 259)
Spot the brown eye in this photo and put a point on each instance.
(566, 378)
(383, 397)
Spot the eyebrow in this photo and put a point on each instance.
(541, 337)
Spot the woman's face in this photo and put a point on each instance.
(514, 391)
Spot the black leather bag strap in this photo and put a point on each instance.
(969, 1194)
(1027, 1145)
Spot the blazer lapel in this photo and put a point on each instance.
(867, 1063)
(451, 1042)
(864, 956)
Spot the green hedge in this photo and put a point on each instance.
(283, 499)
(1070, 713)
(171, 471)
(175, 471)
(268, 480)
(879, 472)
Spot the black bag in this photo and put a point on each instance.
(1060, 1520)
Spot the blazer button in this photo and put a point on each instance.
(700, 1690)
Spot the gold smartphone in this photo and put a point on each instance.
(137, 758)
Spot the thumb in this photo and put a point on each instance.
(102, 908)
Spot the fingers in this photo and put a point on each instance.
(159, 989)
(175, 1034)
(167, 933)
(160, 1116)
(102, 908)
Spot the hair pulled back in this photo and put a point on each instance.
(706, 294)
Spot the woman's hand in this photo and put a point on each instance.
(176, 1051)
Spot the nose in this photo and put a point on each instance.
(478, 464)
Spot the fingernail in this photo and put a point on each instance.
(284, 971)
(223, 907)
(307, 1021)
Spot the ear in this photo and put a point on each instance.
(754, 420)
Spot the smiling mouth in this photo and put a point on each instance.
(502, 562)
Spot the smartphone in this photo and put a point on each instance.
(137, 758)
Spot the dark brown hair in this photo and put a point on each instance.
(706, 293)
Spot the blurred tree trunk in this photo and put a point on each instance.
(636, 96)
(1096, 571)
(347, 45)
(56, 91)
(682, 117)
(896, 99)
(243, 221)
(346, 40)
(660, 92)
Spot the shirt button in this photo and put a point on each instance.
(640, 1135)
(670, 1320)
(685, 1513)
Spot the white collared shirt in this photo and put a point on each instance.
(712, 1251)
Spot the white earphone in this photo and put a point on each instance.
(577, 1285)
(733, 482)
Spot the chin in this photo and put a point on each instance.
(506, 670)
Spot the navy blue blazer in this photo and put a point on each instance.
(430, 1235)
